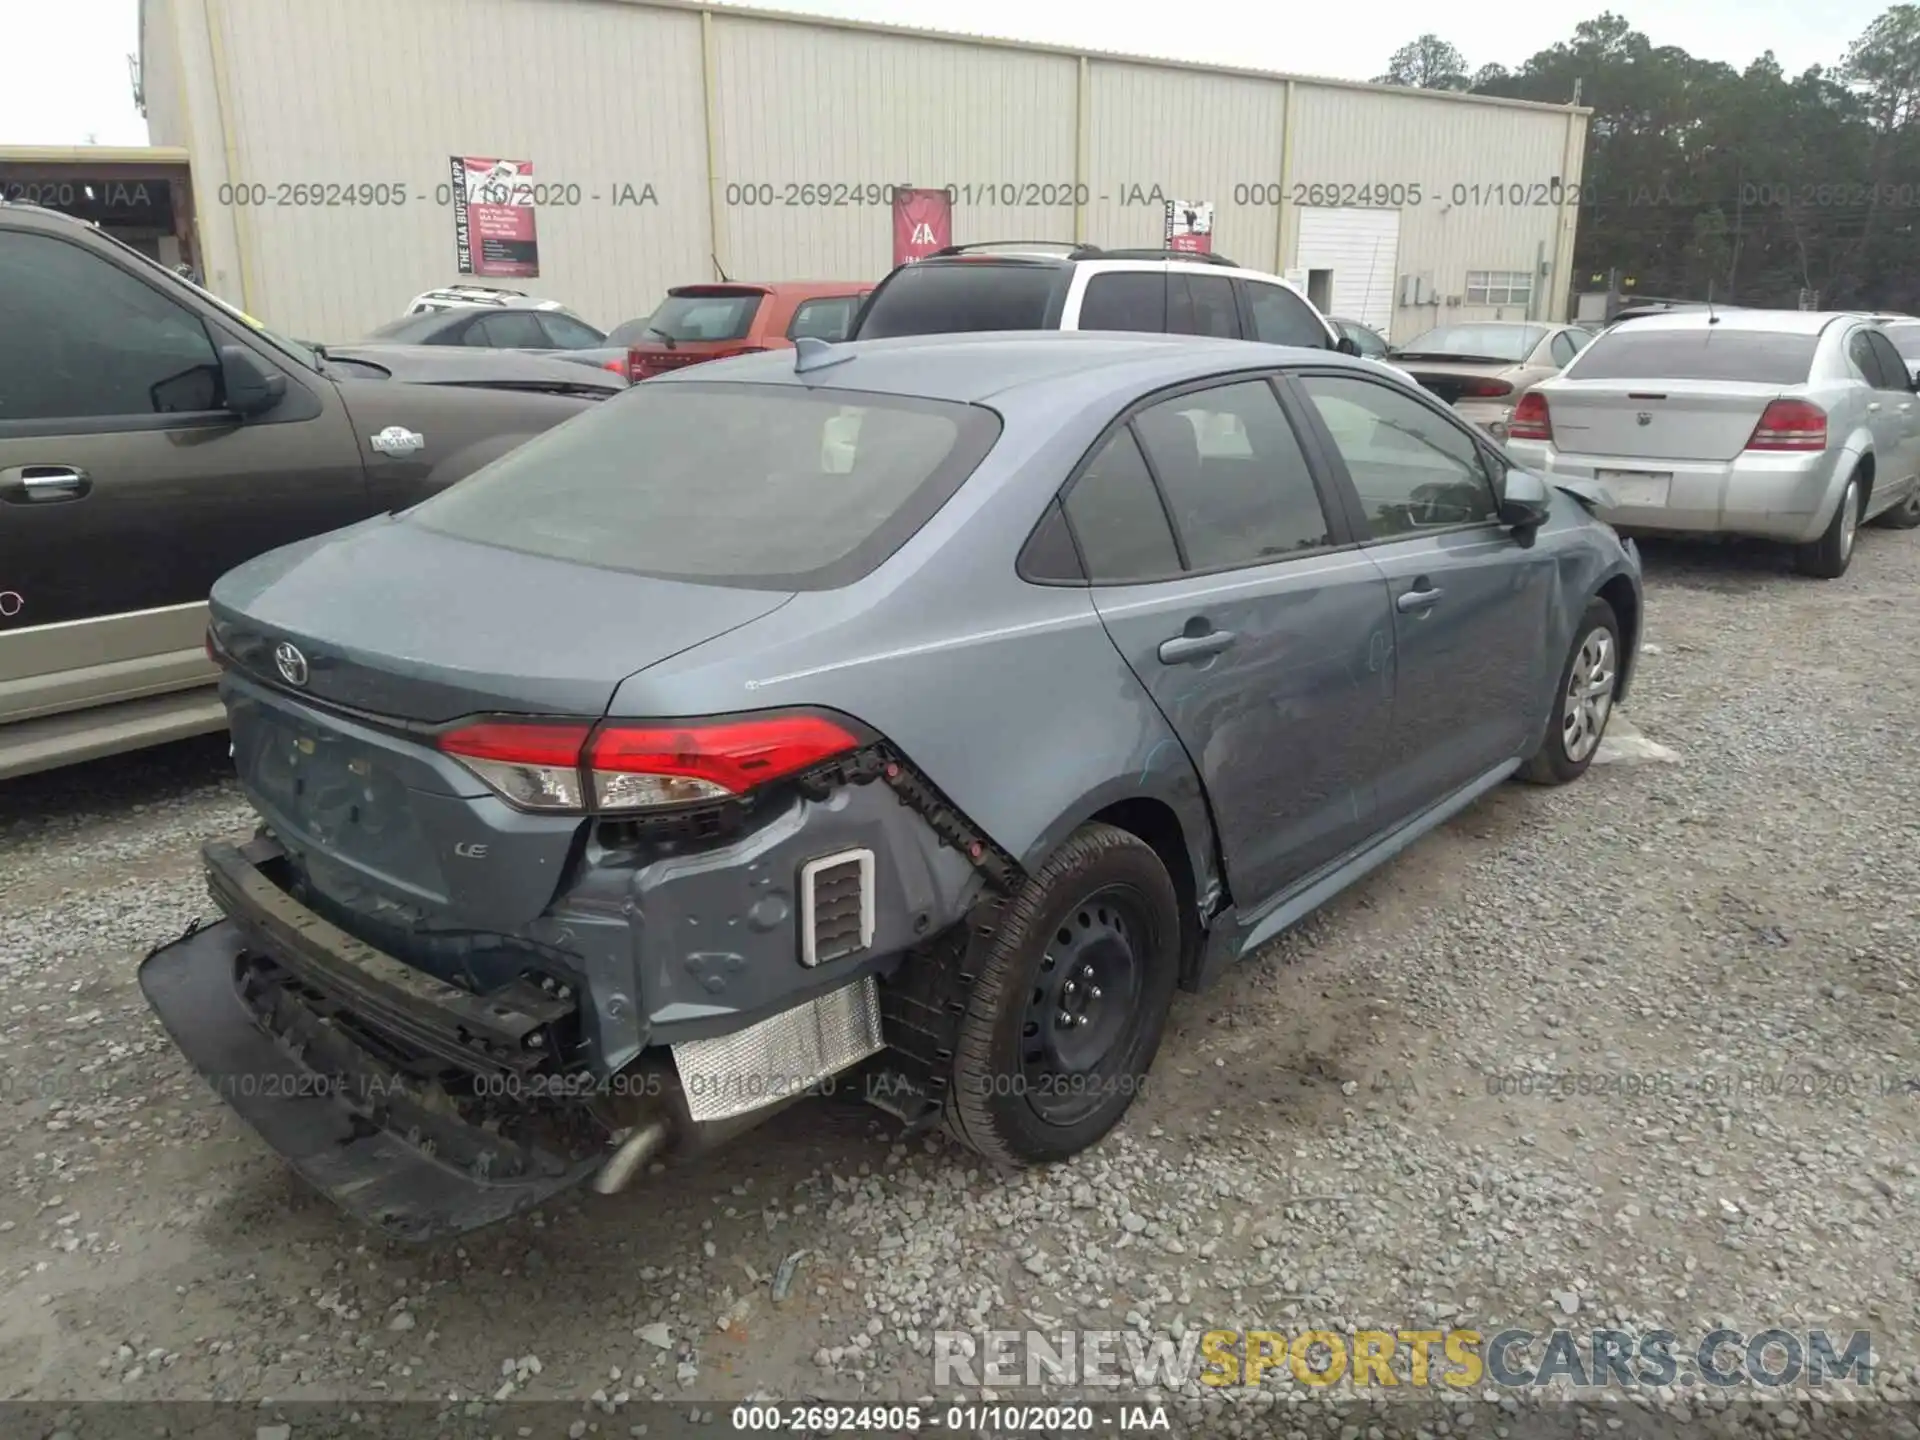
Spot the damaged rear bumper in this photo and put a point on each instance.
(426, 1110)
(333, 1113)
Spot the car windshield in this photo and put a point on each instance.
(1476, 342)
(771, 486)
(1636, 352)
(1906, 339)
(705, 315)
(952, 297)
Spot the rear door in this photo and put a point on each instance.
(1230, 586)
(1888, 408)
(1469, 605)
(126, 487)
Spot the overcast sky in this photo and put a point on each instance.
(67, 75)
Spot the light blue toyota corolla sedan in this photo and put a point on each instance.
(923, 710)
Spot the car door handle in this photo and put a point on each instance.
(1182, 648)
(41, 484)
(1417, 600)
(1872, 405)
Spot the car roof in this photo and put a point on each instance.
(973, 366)
(1787, 322)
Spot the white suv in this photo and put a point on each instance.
(1043, 285)
(460, 297)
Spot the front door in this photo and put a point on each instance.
(1470, 605)
(1219, 573)
(126, 487)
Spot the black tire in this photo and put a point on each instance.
(1102, 888)
(1555, 763)
(1828, 557)
(1904, 516)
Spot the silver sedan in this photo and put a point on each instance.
(1775, 424)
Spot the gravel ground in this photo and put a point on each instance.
(1724, 948)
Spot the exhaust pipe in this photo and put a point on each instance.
(646, 1140)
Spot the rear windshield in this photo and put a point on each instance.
(719, 315)
(1477, 342)
(1906, 339)
(1759, 357)
(413, 327)
(770, 486)
(956, 296)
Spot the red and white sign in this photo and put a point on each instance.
(922, 223)
(1190, 226)
(493, 228)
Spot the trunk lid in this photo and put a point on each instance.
(1454, 381)
(409, 629)
(398, 621)
(1680, 420)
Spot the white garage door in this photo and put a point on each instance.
(1362, 249)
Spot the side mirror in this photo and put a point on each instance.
(250, 388)
(1348, 345)
(1525, 501)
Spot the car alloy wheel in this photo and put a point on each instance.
(1085, 1005)
(1850, 519)
(1589, 698)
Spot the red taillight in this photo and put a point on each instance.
(621, 367)
(644, 363)
(572, 767)
(1482, 389)
(1790, 425)
(1530, 420)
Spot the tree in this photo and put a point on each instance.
(1428, 63)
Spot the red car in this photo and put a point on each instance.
(711, 322)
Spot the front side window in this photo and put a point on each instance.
(1234, 476)
(770, 486)
(80, 337)
(1281, 317)
(1413, 468)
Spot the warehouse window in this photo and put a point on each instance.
(1499, 287)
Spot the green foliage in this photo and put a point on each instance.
(1751, 184)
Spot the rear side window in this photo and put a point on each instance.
(1117, 517)
(769, 486)
(1202, 305)
(1126, 300)
(1759, 357)
(1892, 366)
(952, 297)
(1281, 317)
(715, 315)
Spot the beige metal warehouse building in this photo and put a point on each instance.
(669, 139)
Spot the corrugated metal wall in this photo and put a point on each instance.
(809, 124)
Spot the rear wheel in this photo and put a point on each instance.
(1071, 1000)
(1828, 557)
(1588, 682)
(1905, 515)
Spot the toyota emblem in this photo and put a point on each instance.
(291, 664)
(1645, 417)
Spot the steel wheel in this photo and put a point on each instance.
(1589, 698)
(1084, 1005)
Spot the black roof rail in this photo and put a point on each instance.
(1071, 250)
(1201, 257)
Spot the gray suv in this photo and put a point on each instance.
(152, 437)
(932, 706)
